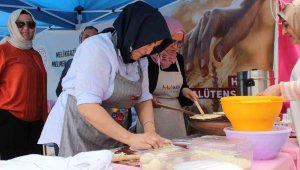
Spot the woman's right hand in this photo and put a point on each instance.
(190, 94)
(147, 140)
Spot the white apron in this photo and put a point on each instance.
(295, 105)
(168, 123)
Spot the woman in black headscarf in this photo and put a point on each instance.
(107, 77)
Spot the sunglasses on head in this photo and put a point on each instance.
(21, 24)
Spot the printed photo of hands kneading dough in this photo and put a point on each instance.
(225, 37)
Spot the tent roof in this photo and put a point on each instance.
(67, 14)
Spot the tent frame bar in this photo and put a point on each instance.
(107, 10)
(169, 4)
(49, 13)
(16, 6)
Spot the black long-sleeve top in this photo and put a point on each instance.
(63, 74)
(153, 76)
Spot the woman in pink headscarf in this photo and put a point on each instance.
(168, 85)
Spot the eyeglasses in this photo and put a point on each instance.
(21, 24)
(177, 43)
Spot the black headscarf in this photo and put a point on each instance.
(139, 24)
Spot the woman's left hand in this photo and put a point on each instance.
(147, 140)
(190, 94)
(157, 140)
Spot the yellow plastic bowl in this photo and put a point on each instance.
(252, 113)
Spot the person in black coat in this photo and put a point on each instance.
(87, 32)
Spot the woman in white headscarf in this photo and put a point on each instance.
(23, 104)
(290, 91)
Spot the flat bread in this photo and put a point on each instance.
(205, 116)
(123, 157)
(219, 113)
